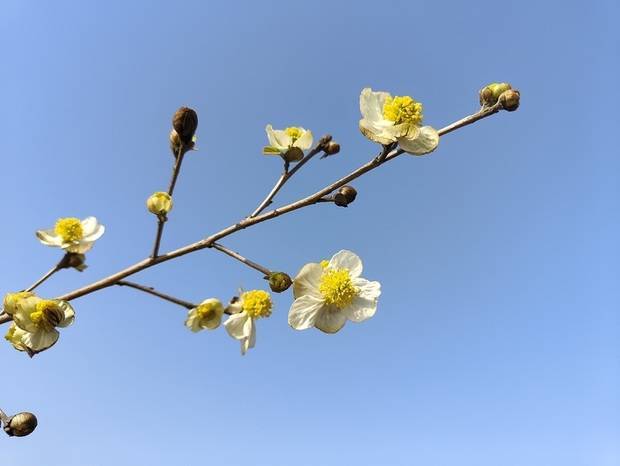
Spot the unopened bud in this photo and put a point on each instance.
(185, 122)
(331, 148)
(279, 282)
(76, 261)
(510, 100)
(490, 93)
(345, 196)
(159, 203)
(175, 142)
(294, 154)
(21, 424)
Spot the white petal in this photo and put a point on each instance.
(250, 341)
(307, 280)
(95, 234)
(330, 320)
(371, 104)
(69, 314)
(402, 130)
(236, 325)
(425, 142)
(347, 260)
(361, 309)
(23, 309)
(368, 289)
(305, 140)
(80, 247)
(88, 225)
(374, 133)
(272, 137)
(304, 311)
(49, 237)
(192, 322)
(40, 340)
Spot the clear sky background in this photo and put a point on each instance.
(496, 341)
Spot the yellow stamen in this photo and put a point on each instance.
(47, 314)
(324, 263)
(69, 229)
(210, 310)
(257, 303)
(293, 132)
(402, 110)
(337, 288)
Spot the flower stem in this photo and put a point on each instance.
(161, 219)
(152, 291)
(240, 258)
(62, 264)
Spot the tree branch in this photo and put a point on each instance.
(152, 291)
(239, 257)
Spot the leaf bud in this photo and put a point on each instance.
(20, 425)
(279, 282)
(345, 196)
(159, 203)
(185, 122)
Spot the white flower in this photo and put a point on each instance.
(329, 293)
(36, 320)
(280, 141)
(207, 315)
(387, 119)
(72, 234)
(250, 306)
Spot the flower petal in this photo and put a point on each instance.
(69, 314)
(250, 341)
(425, 142)
(307, 280)
(96, 233)
(236, 325)
(49, 237)
(371, 104)
(367, 289)
(372, 132)
(330, 320)
(23, 309)
(304, 311)
(347, 260)
(41, 339)
(361, 309)
(305, 140)
(80, 247)
(89, 224)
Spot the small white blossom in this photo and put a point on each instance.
(250, 306)
(72, 234)
(281, 140)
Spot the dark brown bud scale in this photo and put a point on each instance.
(345, 196)
(332, 148)
(510, 100)
(185, 122)
(294, 154)
(21, 424)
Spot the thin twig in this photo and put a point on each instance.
(287, 175)
(247, 222)
(62, 264)
(154, 292)
(161, 219)
(240, 258)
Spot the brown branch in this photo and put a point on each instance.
(152, 291)
(250, 221)
(239, 257)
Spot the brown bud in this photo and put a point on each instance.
(510, 100)
(21, 424)
(185, 122)
(332, 148)
(77, 261)
(345, 196)
(294, 154)
(279, 282)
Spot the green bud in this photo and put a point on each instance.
(159, 203)
(279, 282)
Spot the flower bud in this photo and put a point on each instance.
(345, 196)
(185, 122)
(331, 148)
(294, 154)
(510, 100)
(279, 282)
(175, 142)
(21, 424)
(490, 93)
(159, 203)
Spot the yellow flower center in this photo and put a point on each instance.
(10, 334)
(208, 311)
(69, 229)
(257, 303)
(324, 263)
(402, 110)
(337, 288)
(47, 314)
(293, 132)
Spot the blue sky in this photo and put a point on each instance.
(496, 338)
